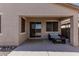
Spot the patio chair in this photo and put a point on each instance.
(56, 37)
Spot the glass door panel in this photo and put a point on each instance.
(35, 29)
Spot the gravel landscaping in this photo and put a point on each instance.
(5, 50)
(4, 53)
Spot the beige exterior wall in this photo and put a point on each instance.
(9, 26)
(10, 22)
(22, 36)
(74, 30)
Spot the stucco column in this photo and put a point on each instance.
(43, 28)
(59, 26)
(74, 30)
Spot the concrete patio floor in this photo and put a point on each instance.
(44, 48)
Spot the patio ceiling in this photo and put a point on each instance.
(45, 17)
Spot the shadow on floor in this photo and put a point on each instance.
(45, 45)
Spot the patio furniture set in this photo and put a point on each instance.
(56, 37)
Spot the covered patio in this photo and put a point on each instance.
(43, 34)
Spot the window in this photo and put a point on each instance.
(36, 26)
(55, 26)
(0, 24)
(49, 26)
(52, 26)
(22, 25)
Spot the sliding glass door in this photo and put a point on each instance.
(35, 29)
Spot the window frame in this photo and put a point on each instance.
(0, 25)
(55, 29)
(23, 28)
(47, 29)
(52, 27)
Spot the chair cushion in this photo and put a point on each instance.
(55, 35)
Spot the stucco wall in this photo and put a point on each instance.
(22, 36)
(10, 18)
(9, 28)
